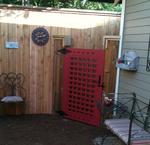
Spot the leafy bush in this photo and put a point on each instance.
(78, 4)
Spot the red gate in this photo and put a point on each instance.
(83, 74)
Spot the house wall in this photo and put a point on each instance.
(136, 37)
(38, 64)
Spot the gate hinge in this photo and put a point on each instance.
(63, 51)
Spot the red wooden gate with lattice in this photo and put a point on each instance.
(82, 90)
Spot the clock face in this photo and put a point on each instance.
(40, 36)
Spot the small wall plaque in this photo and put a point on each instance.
(12, 45)
(67, 40)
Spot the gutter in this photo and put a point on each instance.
(120, 47)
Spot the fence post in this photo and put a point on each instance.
(147, 117)
(131, 118)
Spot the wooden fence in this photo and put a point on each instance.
(42, 66)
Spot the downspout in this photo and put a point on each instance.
(120, 47)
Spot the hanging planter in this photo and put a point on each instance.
(128, 61)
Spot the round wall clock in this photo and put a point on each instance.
(40, 36)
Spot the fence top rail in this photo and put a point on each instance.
(129, 95)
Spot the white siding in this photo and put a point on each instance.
(136, 37)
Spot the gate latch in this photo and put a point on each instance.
(63, 51)
(99, 82)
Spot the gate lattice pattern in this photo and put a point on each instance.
(83, 71)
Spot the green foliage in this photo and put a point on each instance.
(15, 2)
(102, 6)
(78, 4)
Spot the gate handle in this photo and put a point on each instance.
(99, 81)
